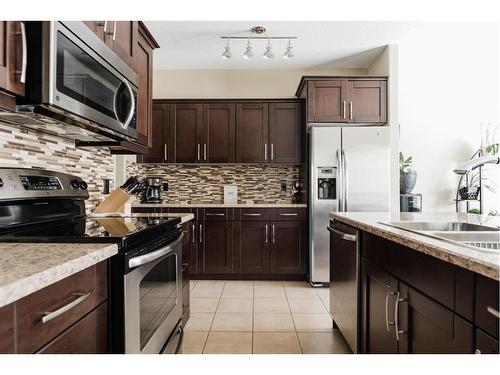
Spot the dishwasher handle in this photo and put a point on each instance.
(344, 236)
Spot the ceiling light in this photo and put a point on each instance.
(226, 55)
(268, 54)
(248, 52)
(289, 51)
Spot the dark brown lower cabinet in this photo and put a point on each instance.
(485, 344)
(7, 337)
(87, 336)
(287, 249)
(216, 247)
(252, 245)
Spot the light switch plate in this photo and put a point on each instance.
(230, 194)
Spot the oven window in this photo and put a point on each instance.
(82, 78)
(158, 291)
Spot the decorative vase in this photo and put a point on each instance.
(469, 192)
(407, 182)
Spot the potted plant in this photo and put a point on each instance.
(470, 191)
(407, 176)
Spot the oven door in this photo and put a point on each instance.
(88, 80)
(153, 299)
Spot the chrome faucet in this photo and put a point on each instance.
(469, 165)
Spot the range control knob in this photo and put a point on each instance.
(83, 185)
(75, 184)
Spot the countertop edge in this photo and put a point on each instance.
(21, 288)
(484, 268)
(219, 205)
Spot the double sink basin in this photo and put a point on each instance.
(476, 236)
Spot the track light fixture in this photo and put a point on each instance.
(259, 33)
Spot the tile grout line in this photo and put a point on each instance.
(293, 320)
(213, 318)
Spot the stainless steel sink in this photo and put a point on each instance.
(441, 226)
(475, 236)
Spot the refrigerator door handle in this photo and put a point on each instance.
(340, 178)
(344, 180)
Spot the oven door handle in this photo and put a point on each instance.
(149, 257)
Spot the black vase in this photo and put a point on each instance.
(407, 182)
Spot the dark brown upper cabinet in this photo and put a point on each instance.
(252, 132)
(218, 133)
(356, 100)
(185, 132)
(12, 59)
(158, 152)
(285, 132)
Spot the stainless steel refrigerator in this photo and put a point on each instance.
(348, 171)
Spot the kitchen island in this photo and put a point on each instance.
(414, 293)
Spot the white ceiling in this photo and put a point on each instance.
(320, 45)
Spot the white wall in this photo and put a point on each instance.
(448, 85)
(175, 84)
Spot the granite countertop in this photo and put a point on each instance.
(28, 267)
(485, 263)
(221, 205)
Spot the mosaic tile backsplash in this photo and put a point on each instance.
(190, 183)
(21, 148)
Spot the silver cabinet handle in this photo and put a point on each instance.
(344, 109)
(274, 235)
(345, 236)
(350, 110)
(165, 151)
(149, 257)
(193, 233)
(389, 293)
(396, 315)
(267, 233)
(251, 215)
(209, 214)
(493, 312)
(114, 30)
(272, 151)
(105, 27)
(198, 151)
(24, 61)
(288, 214)
(204, 151)
(200, 234)
(265, 151)
(49, 315)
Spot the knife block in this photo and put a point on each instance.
(114, 202)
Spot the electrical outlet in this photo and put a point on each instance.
(165, 186)
(283, 186)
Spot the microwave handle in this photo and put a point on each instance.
(132, 107)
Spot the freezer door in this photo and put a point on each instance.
(366, 169)
(325, 152)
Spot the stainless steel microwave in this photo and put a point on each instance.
(78, 84)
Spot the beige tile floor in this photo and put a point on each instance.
(260, 317)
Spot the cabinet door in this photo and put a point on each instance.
(11, 57)
(185, 132)
(252, 132)
(87, 336)
(285, 132)
(252, 246)
(377, 310)
(219, 132)
(327, 101)
(485, 344)
(427, 327)
(367, 101)
(158, 152)
(287, 247)
(195, 239)
(216, 247)
(144, 64)
(121, 36)
(7, 338)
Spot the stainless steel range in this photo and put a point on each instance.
(145, 286)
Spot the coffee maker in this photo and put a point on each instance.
(152, 193)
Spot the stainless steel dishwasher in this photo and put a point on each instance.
(344, 285)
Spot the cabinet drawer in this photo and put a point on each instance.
(290, 214)
(217, 214)
(7, 329)
(81, 292)
(87, 336)
(254, 214)
(487, 305)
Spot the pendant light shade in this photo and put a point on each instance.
(268, 54)
(289, 52)
(249, 51)
(226, 55)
